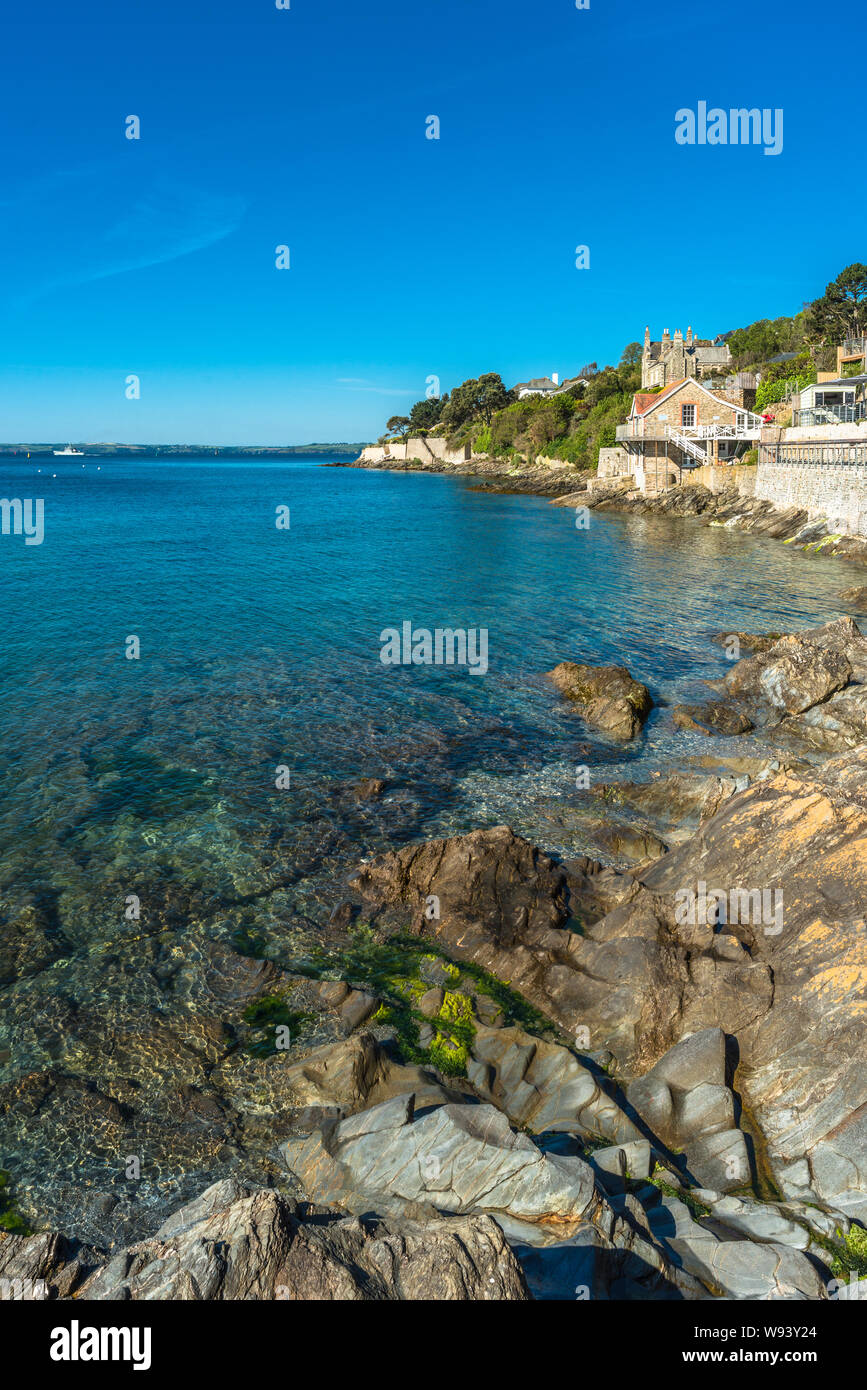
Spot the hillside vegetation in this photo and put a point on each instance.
(576, 423)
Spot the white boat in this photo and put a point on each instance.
(68, 453)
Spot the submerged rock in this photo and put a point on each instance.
(712, 718)
(856, 598)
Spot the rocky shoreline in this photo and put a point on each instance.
(535, 1075)
(489, 475)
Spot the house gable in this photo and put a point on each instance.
(688, 392)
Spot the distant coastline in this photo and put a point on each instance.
(150, 451)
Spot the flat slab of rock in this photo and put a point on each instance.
(457, 1158)
(607, 696)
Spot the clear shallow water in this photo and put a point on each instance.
(261, 647)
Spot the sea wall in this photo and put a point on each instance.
(428, 450)
(837, 492)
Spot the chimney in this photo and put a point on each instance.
(678, 336)
(646, 339)
(666, 338)
(689, 335)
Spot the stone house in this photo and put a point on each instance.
(673, 359)
(681, 428)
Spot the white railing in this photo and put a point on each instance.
(683, 441)
(745, 431)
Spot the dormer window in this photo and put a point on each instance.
(687, 414)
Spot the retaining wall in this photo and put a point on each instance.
(835, 491)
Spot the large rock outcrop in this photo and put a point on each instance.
(811, 686)
(606, 696)
(803, 837)
(633, 978)
(235, 1242)
(756, 925)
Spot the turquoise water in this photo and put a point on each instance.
(260, 648)
(154, 779)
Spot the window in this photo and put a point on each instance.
(687, 414)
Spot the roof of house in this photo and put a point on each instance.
(644, 402)
(538, 383)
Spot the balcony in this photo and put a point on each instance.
(853, 347)
(831, 415)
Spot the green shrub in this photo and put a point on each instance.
(483, 440)
(771, 392)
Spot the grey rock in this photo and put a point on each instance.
(796, 672)
(706, 1108)
(431, 1002)
(720, 1160)
(459, 1158)
(357, 1008)
(543, 1086)
(696, 1059)
(621, 1161)
(259, 1246)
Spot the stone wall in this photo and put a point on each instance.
(429, 450)
(718, 478)
(613, 462)
(835, 491)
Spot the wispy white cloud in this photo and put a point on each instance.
(53, 233)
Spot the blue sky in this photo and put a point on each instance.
(409, 257)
